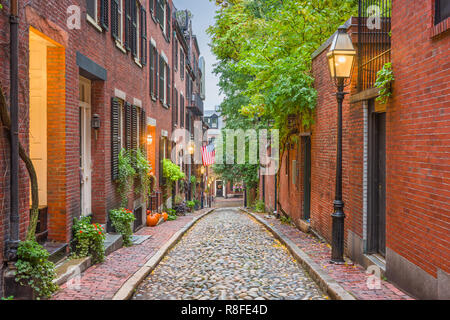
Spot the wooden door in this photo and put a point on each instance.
(377, 182)
(38, 113)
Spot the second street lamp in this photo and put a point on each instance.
(341, 58)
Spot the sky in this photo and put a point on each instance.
(204, 12)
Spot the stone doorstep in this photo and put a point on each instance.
(68, 268)
(325, 282)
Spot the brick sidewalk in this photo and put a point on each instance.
(102, 281)
(352, 278)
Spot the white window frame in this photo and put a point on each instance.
(165, 18)
(138, 33)
(94, 20)
(120, 23)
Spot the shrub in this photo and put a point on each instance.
(122, 220)
(126, 176)
(191, 205)
(89, 239)
(143, 169)
(178, 199)
(172, 214)
(260, 206)
(34, 269)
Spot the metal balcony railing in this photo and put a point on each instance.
(374, 40)
(196, 104)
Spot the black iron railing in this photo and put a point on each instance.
(374, 40)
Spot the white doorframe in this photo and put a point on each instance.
(85, 147)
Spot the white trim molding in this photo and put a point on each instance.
(120, 94)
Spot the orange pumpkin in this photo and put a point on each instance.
(165, 216)
(152, 220)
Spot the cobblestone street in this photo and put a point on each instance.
(228, 255)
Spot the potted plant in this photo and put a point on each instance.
(122, 220)
(34, 271)
(89, 240)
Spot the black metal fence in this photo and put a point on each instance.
(374, 43)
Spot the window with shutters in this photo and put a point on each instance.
(153, 71)
(143, 36)
(138, 33)
(120, 21)
(162, 80)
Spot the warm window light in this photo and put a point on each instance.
(341, 57)
(202, 170)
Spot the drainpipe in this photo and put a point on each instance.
(13, 241)
(276, 196)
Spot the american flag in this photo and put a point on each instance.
(209, 155)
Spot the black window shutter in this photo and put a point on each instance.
(127, 24)
(115, 143)
(160, 12)
(134, 127)
(134, 28)
(152, 5)
(161, 150)
(115, 19)
(169, 85)
(143, 36)
(128, 126)
(152, 70)
(161, 78)
(168, 22)
(175, 106)
(104, 14)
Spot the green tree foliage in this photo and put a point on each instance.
(264, 49)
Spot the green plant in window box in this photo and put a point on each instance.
(34, 269)
(385, 78)
(122, 220)
(89, 240)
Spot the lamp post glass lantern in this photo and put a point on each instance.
(341, 59)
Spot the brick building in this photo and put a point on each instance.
(395, 159)
(86, 92)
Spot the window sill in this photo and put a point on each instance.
(120, 46)
(94, 23)
(440, 28)
(154, 98)
(165, 106)
(136, 60)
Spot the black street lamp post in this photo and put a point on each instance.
(341, 60)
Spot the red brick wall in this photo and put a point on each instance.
(324, 149)
(49, 17)
(418, 133)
